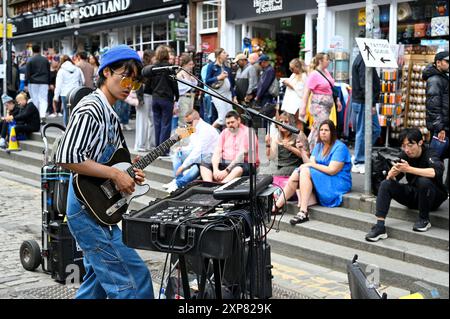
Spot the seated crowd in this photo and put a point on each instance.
(320, 176)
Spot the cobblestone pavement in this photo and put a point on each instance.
(20, 220)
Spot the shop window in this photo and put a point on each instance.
(416, 20)
(146, 33)
(160, 31)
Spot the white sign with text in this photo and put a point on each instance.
(377, 53)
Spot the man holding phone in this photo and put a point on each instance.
(424, 189)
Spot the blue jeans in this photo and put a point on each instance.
(359, 109)
(162, 115)
(113, 270)
(123, 111)
(189, 174)
(207, 113)
(65, 109)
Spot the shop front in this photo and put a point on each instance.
(416, 30)
(91, 25)
(280, 28)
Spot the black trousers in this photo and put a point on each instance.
(424, 196)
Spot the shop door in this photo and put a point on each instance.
(208, 42)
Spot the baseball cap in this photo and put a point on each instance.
(441, 56)
(263, 58)
(240, 56)
(6, 98)
(118, 53)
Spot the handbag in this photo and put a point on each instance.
(334, 89)
(440, 147)
(218, 84)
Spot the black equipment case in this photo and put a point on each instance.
(60, 256)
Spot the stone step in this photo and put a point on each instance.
(23, 157)
(393, 272)
(396, 228)
(360, 202)
(20, 171)
(393, 248)
(51, 136)
(33, 146)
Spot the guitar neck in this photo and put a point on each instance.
(154, 154)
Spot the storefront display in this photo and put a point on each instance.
(340, 65)
(391, 108)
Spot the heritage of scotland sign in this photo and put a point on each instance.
(72, 16)
(264, 6)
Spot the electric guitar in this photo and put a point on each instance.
(100, 196)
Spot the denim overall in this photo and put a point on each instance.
(113, 270)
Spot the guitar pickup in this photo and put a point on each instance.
(114, 208)
(108, 188)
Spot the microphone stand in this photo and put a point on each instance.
(249, 113)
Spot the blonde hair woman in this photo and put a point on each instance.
(295, 85)
(319, 85)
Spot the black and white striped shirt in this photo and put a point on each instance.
(86, 135)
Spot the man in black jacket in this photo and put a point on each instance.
(38, 79)
(424, 189)
(27, 120)
(436, 76)
(358, 107)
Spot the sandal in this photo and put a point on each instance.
(300, 218)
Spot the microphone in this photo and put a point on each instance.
(168, 68)
(150, 70)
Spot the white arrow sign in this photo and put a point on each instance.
(376, 53)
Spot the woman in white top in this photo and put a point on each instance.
(187, 95)
(69, 76)
(293, 97)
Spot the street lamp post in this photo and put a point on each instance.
(5, 52)
(368, 102)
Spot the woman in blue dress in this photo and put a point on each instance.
(327, 175)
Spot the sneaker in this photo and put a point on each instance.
(52, 115)
(60, 114)
(172, 188)
(2, 143)
(422, 225)
(376, 233)
(169, 184)
(126, 127)
(358, 169)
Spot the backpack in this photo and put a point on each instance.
(382, 162)
(274, 88)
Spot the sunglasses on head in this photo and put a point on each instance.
(127, 81)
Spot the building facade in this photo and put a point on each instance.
(90, 25)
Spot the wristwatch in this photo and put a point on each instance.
(228, 170)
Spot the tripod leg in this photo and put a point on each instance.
(184, 277)
(217, 280)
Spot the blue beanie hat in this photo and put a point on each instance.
(117, 53)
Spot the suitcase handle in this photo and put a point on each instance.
(48, 125)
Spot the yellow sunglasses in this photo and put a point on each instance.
(127, 81)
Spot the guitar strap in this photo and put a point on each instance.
(122, 137)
